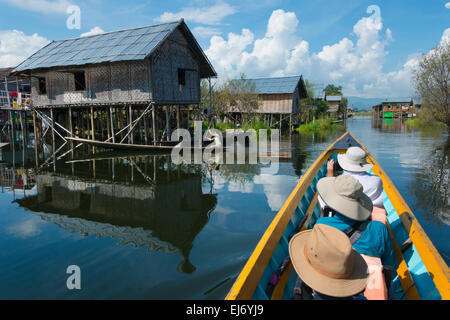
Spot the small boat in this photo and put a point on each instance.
(421, 272)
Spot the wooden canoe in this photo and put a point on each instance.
(421, 272)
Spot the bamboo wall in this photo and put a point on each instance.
(154, 79)
(117, 82)
(276, 103)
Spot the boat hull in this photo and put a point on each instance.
(421, 272)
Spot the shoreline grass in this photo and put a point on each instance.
(418, 123)
(319, 126)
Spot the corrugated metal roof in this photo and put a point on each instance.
(276, 85)
(334, 98)
(131, 44)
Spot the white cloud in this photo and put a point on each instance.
(15, 46)
(206, 15)
(276, 188)
(354, 64)
(446, 36)
(93, 31)
(42, 6)
(205, 32)
(447, 5)
(27, 228)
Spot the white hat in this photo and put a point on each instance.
(345, 195)
(354, 160)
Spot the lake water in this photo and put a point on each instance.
(140, 227)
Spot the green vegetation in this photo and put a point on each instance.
(320, 126)
(223, 126)
(421, 123)
(332, 90)
(431, 78)
(256, 125)
(362, 114)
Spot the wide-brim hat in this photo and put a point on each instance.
(354, 160)
(330, 265)
(345, 195)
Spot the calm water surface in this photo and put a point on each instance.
(140, 227)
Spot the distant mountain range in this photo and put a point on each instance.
(368, 103)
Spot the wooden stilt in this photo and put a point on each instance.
(167, 124)
(108, 123)
(155, 137)
(92, 123)
(130, 119)
(112, 125)
(53, 139)
(35, 140)
(145, 130)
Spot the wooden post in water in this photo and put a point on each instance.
(155, 138)
(108, 123)
(167, 124)
(130, 119)
(35, 140)
(92, 123)
(112, 124)
(145, 130)
(53, 139)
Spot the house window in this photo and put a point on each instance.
(80, 81)
(42, 86)
(181, 77)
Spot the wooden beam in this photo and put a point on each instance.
(155, 133)
(35, 140)
(92, 123)
(112, 124)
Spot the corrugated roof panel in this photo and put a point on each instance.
(276, 85)
(120, 45)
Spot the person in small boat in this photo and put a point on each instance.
(327, 265)
(348, 209)
(354, 163)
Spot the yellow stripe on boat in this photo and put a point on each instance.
(431, 258)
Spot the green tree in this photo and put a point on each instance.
(217, 99)
(321, 107)
(332, 90)
(342, 108)
(308, 103)
(242, 97)
(432, 83)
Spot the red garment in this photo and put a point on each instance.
(14, 94)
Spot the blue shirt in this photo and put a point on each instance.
(374, 241)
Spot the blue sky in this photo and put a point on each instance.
(292, 35)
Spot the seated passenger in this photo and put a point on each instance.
(325, 261)
(349, 210)
(354, 163)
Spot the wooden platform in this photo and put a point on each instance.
(124, 146)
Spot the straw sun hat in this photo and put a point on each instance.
(324, 259)
(354, 160)
(345, 195)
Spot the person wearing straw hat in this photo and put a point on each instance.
(325, 261)
(354, 163)
(350, 211)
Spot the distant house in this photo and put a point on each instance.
(279, 96)
(333, 103)
(393, 109)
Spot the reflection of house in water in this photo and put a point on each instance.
(166, 216)
(389, 124)
(16, 179)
